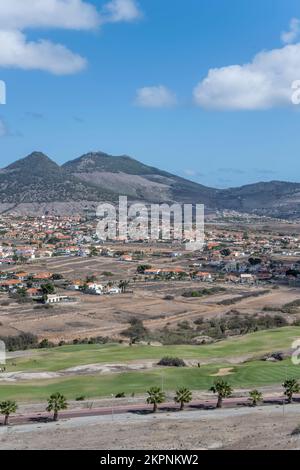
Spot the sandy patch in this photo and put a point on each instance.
(223, 372)
(75, 371)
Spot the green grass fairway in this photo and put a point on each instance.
(245, 375)
(248, 375)
(69, 356)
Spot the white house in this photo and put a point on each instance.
(95, 288)
(114, 291)
(55, 298)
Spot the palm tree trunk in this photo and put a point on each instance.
(181, 406)
(290, 398)
(220, 402)
(6, 420)
(154, 407)
(55, 416)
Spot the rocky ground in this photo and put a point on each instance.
(263, 428)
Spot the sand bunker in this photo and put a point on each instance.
(223, 372)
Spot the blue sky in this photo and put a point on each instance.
(131, 80)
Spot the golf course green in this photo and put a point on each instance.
(248, 374)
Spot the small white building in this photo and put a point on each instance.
(114, 291)
(247, 278)
(95, 288)
(56, 298)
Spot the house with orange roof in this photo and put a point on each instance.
(175, 270)
(203, 276)
(152, 272)
(33, 292)
(126, 258)
(43, 276)
(10, 284)
(21, 276)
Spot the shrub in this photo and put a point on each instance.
(169, 297)
(45, 344)
(296, 431)
(171, 362)
(20, 342)
(80, 398)
(136, 331)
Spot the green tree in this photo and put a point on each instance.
(57, 277)
(223, 389)
(291, 386)
(156, 397)
(7, 408)
(93, 251)
(47, 288)
(142, 268)
(225, 252)
(136, 331)
(255, 396)
(56, 403)
(183, 396)
(123, 286)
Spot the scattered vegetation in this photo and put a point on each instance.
(171, 362)
(291, 307)
(203, 292)
(21, 342)
(235, 300)
(136, 331)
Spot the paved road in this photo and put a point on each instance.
(143, 409)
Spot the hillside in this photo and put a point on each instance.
(136, 180)
(38, 179)
(36, 184)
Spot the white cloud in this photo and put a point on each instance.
(69, 14)
(44, 55)
(288, 37)
(19, 15)
(121, 10)
(155, 97)
(261, 84)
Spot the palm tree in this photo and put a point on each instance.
(123, 286)
(291, 386)
(56, 403)
(255, 396)
(156, 396)
(183, 395)
(223, 389)
(7, 408)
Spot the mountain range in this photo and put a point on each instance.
(38, 185)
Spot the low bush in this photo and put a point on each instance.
(80, 398)
(171, 362)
